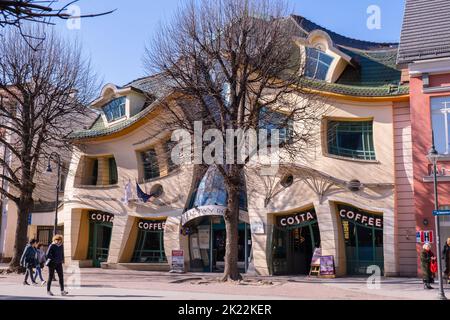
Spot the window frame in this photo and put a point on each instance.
(157, 173)
(108, 106)
(442, 111)
(317, 62)
(368, 155)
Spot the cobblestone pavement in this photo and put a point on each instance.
(125, 284)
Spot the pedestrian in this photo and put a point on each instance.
(55, 260)
(41, 258)
(29, 261)
(426, 257)
(446, 257)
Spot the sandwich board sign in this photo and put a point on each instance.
(177, 261)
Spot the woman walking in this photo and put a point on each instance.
(446, 257)
(426, 257)
(55, 259)
(40, 263)
(29, 261)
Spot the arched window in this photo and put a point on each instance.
(211, 191)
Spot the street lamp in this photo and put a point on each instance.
(49, 170)
(433, 156)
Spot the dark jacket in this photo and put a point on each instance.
(425, 262)
(29, 257)
(55, 253)
(446, 256)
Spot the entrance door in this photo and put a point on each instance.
(208, 244)
(363, 237)
(293, 249)
(99, 240)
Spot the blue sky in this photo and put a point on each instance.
(116, 42)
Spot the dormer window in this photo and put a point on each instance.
(115, 109)
(317, 64)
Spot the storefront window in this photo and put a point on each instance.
(363, 237)
(440, 115)
(150, 242)
(351, 139)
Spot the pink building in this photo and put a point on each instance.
(425, 52)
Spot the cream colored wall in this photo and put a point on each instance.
(177, 184)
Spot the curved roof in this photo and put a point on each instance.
(375, 76)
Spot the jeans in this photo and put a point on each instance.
(38, 273)
(29, 273)
(51, 272)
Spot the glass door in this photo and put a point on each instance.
(99, 241)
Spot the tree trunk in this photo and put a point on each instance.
(231, 218)
(25, 206)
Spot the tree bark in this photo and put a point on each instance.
(25, 206)
(231, 218)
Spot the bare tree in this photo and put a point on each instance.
(44, 91)
(236, 65)
(19, 13)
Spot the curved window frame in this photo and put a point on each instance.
(218, 195)
(115, 109)
(317, 63)
(336, 129)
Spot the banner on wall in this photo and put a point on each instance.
(424, 236)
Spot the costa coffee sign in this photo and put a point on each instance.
(153, 225)
(101, 217)
(361, 217)
(296, 219)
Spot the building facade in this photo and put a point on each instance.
(346, 197)
(425, 53)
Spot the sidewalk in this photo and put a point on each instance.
(124, 284)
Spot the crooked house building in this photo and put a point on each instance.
(349, 198)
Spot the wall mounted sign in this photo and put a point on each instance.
(101, 217)
(208, 211)
(361, 217)
(152, 225)
(327, 266)
(424, 236)
(257, 227)
(177, 261)
(296, 219)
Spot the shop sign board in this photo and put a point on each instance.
(315, 261)
(361, 217)
(152, 225)
(208, 211)
(296, 219)
(177, 261)
(101, 216)
(327, 266)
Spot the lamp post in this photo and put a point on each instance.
(433, 157)
(49, 170)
